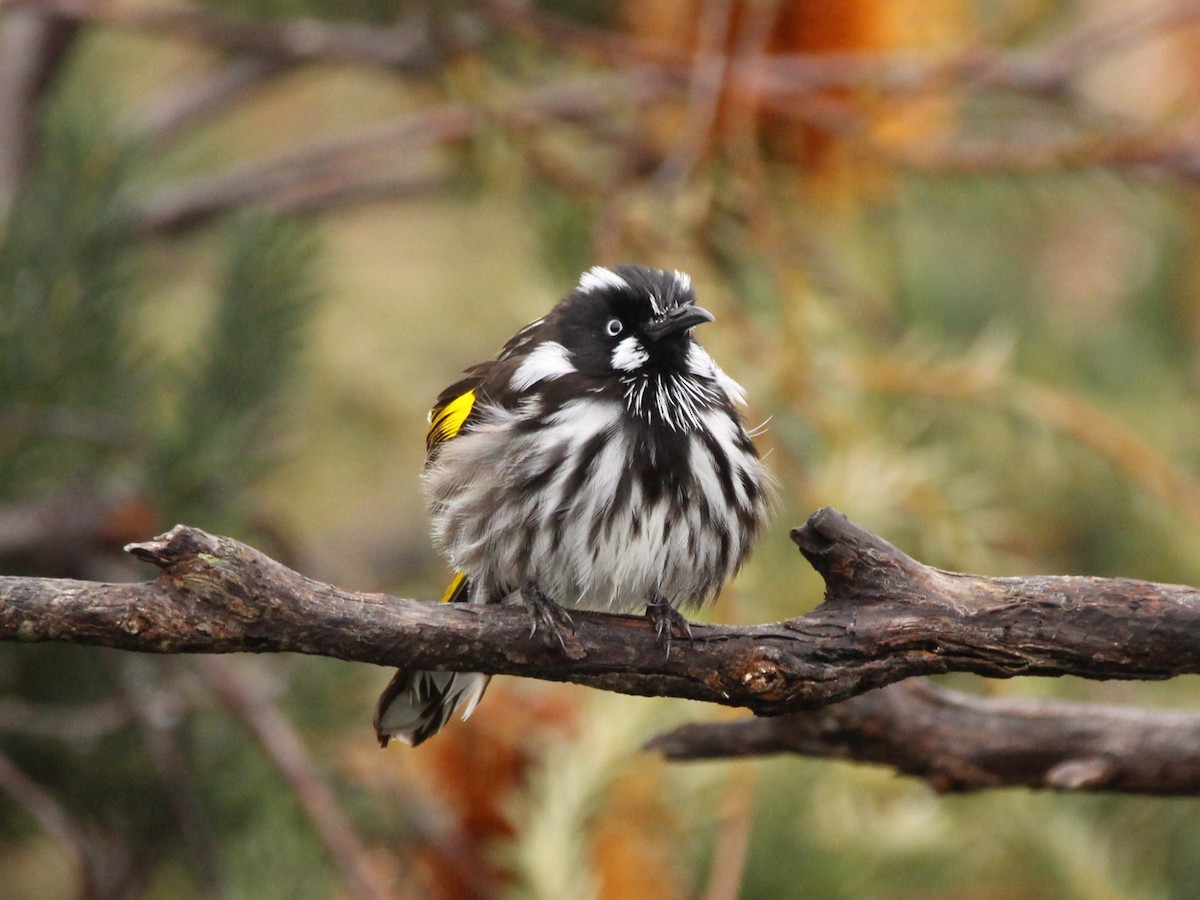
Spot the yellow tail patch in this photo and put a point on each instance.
(455, 586)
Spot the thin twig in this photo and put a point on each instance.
(731, 847)
(34, 44)
(329, 169)
(408, 47)
(74, 534)
(283, 746)
(336, 171)
(709, 72)
(154, 710)
(102, 869)
(1063, 411)
(182, 106)
(77, 724)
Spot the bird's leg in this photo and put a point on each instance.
(545, 613)
(666, 618)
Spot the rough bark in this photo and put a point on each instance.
(885, 618)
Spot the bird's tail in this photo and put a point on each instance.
(416, 704)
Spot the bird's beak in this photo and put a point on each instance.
(676, 320)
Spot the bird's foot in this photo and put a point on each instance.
(544, 613)
(666, 619)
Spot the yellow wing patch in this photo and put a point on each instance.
(446, 421)
(456, 585)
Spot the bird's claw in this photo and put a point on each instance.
(666, 618)
(544, 613)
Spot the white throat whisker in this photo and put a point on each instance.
(676, 401)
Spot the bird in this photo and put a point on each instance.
(600, 461)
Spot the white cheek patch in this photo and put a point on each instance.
(629, 355)
(548, 360)
(597, 278)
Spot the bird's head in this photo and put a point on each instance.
(629, 321)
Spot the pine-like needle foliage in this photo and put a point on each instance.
(75, 392)
(89, 413)
(66, 304)
(233, 387)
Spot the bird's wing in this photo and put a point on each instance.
(523, 340)
(451, 411)
(458, 408)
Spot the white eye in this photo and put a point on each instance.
(614, 327)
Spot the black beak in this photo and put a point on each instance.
(676, 320)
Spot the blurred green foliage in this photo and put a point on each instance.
(235, 380)
(91, 410)
(65, 295)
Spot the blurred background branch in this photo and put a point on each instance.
(957, 742)
(276, 734)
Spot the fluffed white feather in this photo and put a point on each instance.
(597, 278)
(549, 360)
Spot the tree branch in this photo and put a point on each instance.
(958, 742)
(72, 535)
(103, 863)
(283, 746)
(342, 169)
(33, 46)
(154, 708)
(409, 47)
(885, 618)
(180, 107)
(326, 168)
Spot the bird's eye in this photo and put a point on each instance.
(614, 327)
